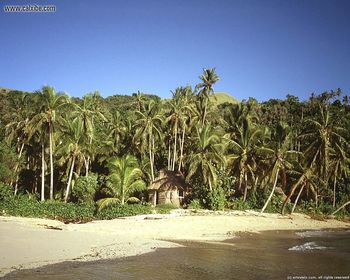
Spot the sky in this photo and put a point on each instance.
(260, 48)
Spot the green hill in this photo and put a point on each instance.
(222, 97)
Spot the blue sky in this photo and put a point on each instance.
(264, 49)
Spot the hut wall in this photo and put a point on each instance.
(169, 197)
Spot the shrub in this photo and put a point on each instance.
(238, 204)
(24, 206)
(165, 208)
(216, 199)
(195, 204)
(84, 189)
(6, 192)
(116, 211)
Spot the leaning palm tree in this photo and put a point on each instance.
(124, 179)
(207, 155)
(306, 179)
(277, 154)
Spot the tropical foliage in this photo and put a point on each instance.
(273, 155)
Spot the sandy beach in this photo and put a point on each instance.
(29, 243)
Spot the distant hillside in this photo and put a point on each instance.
(222, 97)
(4, 90)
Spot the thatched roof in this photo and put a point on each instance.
(168, 180)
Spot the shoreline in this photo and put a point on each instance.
(31, 242)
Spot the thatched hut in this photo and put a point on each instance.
(168, 188)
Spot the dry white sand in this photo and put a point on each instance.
(29, 243)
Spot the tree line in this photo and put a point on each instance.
(278, 152)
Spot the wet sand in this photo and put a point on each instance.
(30, 243)
(267, 255)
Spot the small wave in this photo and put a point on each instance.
(314, 233)
(308, 246)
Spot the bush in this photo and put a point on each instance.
(84, 189)
(195, 204)
(6, 192)
(125, 210)
(24, 206)
(165, 208)
(216, 199)
(238, 204)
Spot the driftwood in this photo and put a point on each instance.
(341, 207)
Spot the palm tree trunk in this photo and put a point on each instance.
(169, 155)
(42, 171)
(205, 111)
(182, 149)
(272, 192)
(51, 162)
(175, 142)
(87, 162)
(245, 187)
(150, 157)
(334, 189)
(297, 199)
(290, 194)
(341, 207)
(69, 179)
(16, 168)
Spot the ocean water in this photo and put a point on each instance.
(269, 255)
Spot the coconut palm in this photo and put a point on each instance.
(322, 134)
(71, 148)
(116, 130)
(147, 129)
(208, 78)
(277, 154)
(178, 116)
(306, 179)
(243, 153)
(340, 165)
(48, 117)
(124, 179)
(89, 112)
(206, 157)
(18, 129)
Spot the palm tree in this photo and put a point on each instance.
(209, 78)
(139, 100)
(178, 116)
(206, 157)
(147, 127)
(277, 155)
(48, 117)
(124, 179)
(243, 153)
(306, 180)
(71, 148)
(340, 165)
(322, 134)
(18, 128)
(116, 130)
(89, 112)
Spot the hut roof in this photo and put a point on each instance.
(168, 180)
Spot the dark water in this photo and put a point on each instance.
(271, 255)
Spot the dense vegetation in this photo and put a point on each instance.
(275, 155)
